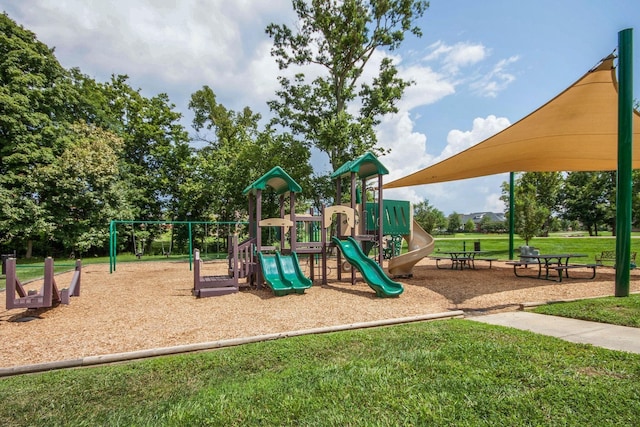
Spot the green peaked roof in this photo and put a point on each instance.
(365, 166)
(277, 179)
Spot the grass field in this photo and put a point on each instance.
(453, 372)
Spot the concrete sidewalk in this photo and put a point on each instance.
(613, 337)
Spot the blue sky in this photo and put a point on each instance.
(480, 65)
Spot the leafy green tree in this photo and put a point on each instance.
(81, 191)
(636, 198)
(340, 38)
(530, 216)
(454, 223)
(469, 226)
(547, 188)
(428, 216)
(156, 146)
(34, 90)
(587, 197)
(236, 154)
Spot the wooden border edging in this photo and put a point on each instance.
(213, 345)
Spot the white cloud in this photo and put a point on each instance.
(429, 87)
(454, 57)
(482, 129)
(163, 43)
(496, 80)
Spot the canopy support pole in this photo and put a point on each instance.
(625, 156)
(512, 209)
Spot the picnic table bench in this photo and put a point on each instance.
(561, 268)
(489, 260)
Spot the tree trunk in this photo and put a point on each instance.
(29, 249)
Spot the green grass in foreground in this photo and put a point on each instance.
(614, 310)
(454, 372)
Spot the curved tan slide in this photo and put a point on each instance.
(421, 244)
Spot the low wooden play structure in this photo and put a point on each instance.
(49, 294)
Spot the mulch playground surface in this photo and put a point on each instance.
(146, 305)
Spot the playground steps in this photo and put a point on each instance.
(210, 286)
(215, 291)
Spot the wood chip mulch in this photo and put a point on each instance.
(145, 305)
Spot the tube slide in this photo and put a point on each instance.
(421, 244)
(371, 272)
(283, 274)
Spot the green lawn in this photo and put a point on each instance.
(614, 310)
(453, 372)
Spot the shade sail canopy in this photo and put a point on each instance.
(575, 131)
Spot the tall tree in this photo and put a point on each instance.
(546, 186)
(454, 223)
(337, 111)
(34, 89)
(81, 190)
(529, 215)
(588, 197)
(156, 146)
(236, 153)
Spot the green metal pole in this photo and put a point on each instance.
(625, 156)
(112, 262)
(512, 208)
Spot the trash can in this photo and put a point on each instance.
(476, 246)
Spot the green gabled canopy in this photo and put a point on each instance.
(277, 179)
(365, 166)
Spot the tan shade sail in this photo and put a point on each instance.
(575, 131)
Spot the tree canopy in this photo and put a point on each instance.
(337, 110)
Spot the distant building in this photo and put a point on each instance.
(477, 218)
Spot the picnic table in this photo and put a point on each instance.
(461, 259)
(551, 262)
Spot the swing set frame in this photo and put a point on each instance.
(113, 234)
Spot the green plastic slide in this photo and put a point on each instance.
(290, 270)
(371, 272)
(282, 273)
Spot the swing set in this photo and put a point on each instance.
(139, 246)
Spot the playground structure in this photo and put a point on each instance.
(48, 296)
(366, 223)
(360, 227)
